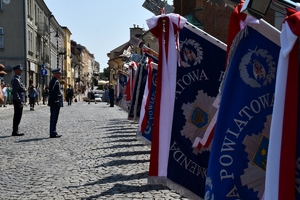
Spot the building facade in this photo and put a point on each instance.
(13, 33)
(32, 37)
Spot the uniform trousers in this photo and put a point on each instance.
(69, 100)
(18, 110)
(54, 112)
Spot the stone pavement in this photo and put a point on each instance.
(98, 156)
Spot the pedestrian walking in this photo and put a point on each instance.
(70, 95)
(1, 95)
(37, 96)
(107, 97)
(91, 95)
(55, 101)
(2, 72)
(8, 94)
(18, 95)
(111, 93)
(26, 90)
(4, 92)
(45, 95)
(32, 96)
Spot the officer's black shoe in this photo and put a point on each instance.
(55, 136)
(17, 134)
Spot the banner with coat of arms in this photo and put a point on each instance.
(131, 88)
(198, 79)
(121, 86)
(238, 158)
(148, 102)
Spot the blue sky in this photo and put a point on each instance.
(100, 25)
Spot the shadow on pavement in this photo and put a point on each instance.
(6, 136)
(30, 140)
(121, 162)
(121, 121)
(118, 136)
(121, 129)
(124, 146)
(127, 154)
(124, 189)
(124, 140)
(114, 178)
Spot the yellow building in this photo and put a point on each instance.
(68, 72)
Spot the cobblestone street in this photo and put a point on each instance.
(97, 157)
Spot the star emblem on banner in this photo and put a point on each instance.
(198, 115)
(256, 148)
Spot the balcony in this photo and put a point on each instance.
(42, 28)
(46, 58)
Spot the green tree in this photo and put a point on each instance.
(105, 74)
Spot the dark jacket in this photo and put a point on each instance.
(55, 96)
(70, 92)
(18, 89)
(111, 93)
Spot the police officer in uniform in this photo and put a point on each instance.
(55, 101)
(18, 95)
(111, 93)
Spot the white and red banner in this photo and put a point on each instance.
(283, 164)
(166, 28)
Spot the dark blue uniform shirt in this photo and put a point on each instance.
(18, 89)
(55, 96)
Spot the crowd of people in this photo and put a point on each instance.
(17, 95)
(32, 93)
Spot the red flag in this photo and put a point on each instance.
(130, 82)
(280, 173)
(164, 27)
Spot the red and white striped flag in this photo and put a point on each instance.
(130, 83)
(282, 158)
(165, 28)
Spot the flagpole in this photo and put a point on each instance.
(140, 44)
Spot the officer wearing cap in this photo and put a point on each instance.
(18, 95)
(111, 93)
(55, 101)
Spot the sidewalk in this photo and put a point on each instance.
(98, 156)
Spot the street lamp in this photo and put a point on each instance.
(256, 8)
(57, 49)
(259, 8)
(57, 37)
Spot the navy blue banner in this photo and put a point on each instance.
(138, 90)
(147, 133)
(198, 81)
(122, 80)
(239, 151)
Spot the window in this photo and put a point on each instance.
(1, 38)
(29, 8)
(30, 42)
(35, 14)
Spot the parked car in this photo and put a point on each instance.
(97, 98)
